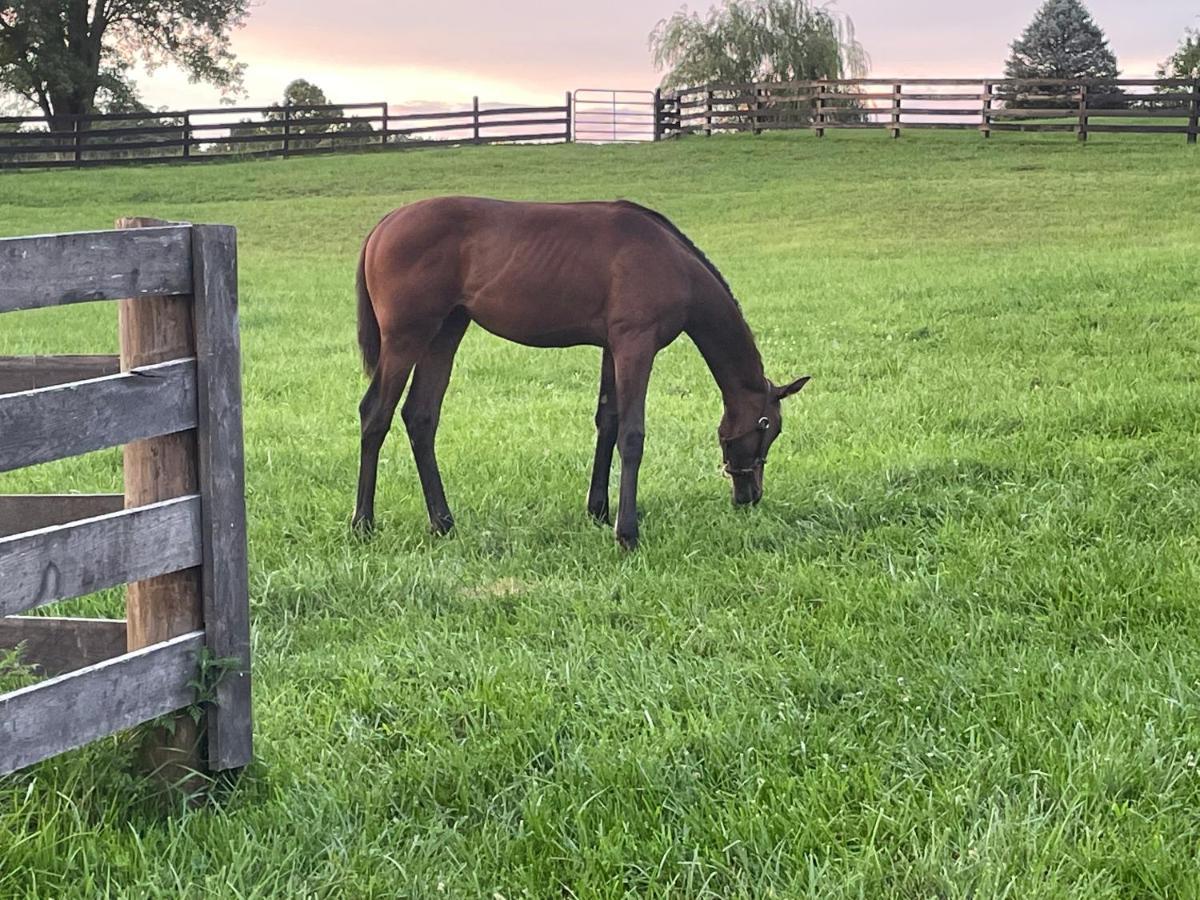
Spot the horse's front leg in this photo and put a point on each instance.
(606, 440)
(632, 370)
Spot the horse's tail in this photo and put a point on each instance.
(368, 325)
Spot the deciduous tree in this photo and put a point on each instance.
(1185, 61)
(73, 57)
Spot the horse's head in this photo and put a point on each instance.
(747, 434)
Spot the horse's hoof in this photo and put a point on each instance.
(627, 541)
(599, 514)
(441, 526)
(362, 528)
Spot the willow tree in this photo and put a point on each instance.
(69, 57)
(757, 40)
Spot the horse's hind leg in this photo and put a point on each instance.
(606, 439)
(422, 411)
(376, 411)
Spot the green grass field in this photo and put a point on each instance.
(954, 653)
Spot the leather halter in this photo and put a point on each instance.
(760, 458)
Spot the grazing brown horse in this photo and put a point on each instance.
(614, 275)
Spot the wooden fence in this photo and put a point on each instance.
(1126, 105)
(894, 105)
(238, 133)
(177, 536)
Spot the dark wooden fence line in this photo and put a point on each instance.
(203, 134)
(176, 537)
(1131, 105)
(1135, 105)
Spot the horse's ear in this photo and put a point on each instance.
(788, 389)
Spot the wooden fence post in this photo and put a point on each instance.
(1083, 112)
(383, 116)
(224, 586)
(475, 120)
(819, 111)
(287, 128)
(708, 112)
(568, 107)
(77, 138)
(658, 114)
(155, 330)
(187, 135)
(1194, 121)
(755, 109)
(896, 90)
(985, 124)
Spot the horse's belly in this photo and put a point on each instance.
(567, 336)
(539, 324)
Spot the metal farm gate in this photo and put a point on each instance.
(611, 116)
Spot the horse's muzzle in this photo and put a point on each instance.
(748, 488)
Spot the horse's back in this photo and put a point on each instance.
(547, 274)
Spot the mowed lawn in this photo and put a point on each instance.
(954, 653)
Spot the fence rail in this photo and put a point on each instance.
(237, 133)
(1124, 105)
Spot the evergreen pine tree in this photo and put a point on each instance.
(1063, 41)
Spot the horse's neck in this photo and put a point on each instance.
(720, 332)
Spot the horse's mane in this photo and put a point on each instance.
(686, 241)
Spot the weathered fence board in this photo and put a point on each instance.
(67, 420)
(223, 580)
(29, 512)
(154, 330)
(74, 709)
(54, 646)
(63, 561)
(27, 373)
(1142, 129)
(51, 270)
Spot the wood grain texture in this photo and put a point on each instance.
(55, 646)
(29, 512)
(71, 710)
(67, 420)
(154, 330)
(50, 270)
(27, 373)
(63, 561)
(224, 580)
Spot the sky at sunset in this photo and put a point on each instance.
(533, 50)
